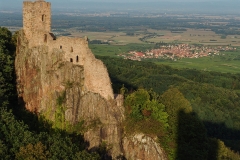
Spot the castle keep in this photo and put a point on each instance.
(36, 17)
(37, 30)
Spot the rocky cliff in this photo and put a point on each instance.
(57, 89)
(142, 147)
(70, 96)
(62, 81)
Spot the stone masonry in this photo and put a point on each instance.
(37, 29)
(36, 17)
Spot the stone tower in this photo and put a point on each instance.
(36, 17)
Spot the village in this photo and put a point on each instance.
(177, 51)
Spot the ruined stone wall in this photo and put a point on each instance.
(36, 17)
(37, 26)
(76, 51)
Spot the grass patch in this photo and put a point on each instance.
(227, 63)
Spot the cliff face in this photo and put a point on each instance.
(142, 147)
(64, 93)
(61, 80)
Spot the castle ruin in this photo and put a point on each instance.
(37, 30)
(36, 18)
(60, 79)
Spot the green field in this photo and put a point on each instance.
(228, 62)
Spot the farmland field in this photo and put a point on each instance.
(112, 37)
(196, 36)
(227, 63)
(191, 36)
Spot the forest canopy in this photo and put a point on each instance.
(200, 103)
(192, 113)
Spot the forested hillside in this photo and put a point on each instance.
(24, 135)
(193, 113)
(198, 103)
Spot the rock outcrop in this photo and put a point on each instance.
(142, 147)
(55, 88)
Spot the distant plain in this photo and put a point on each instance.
(190, 36)
(128, 32)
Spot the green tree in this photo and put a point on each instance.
(141, 106)
(186, 132)
(6, 41)
(32, 152)
(158, 112)
(7, 50)
(4, 151)
(174, 102)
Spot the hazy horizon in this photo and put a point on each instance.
(198, 6)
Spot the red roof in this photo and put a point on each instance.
(139, 54)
